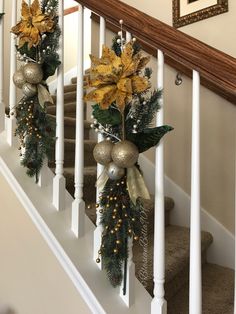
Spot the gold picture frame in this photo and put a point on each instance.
(190, 11)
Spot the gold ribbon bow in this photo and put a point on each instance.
(135, 184)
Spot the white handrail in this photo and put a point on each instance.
(59, 179)
(195, 281)
(78, 205)
(11, 122)
(2, 106)
(98, 231)
(159, 305)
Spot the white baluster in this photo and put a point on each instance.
(128, 37)
(78, 205)
(128, 297)
(59, 179)
(195, 281)
(2, 106)
(100, 168)
(11, 122)
(159, 305)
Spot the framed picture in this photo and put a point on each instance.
(191, 11)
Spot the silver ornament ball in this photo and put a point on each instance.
(29, 90)
(125, 154)
(102, 152)
(18, 79)
(33, 73)
(114, 172)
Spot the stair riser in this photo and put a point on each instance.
(89, 188)
(69, 111)
(70, 132)
(70, 88)
(68, 97)
(69, 160)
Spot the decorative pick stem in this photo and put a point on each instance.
(123, 126)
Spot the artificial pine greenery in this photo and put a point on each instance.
(35, 129)
(120, 219)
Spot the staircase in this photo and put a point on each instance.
(71, 236)
(218, 282)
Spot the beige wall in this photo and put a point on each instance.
(32, 281)
(217, 117)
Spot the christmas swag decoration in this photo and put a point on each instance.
(38, 40)
(119, 85)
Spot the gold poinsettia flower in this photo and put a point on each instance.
(32, 25)
(116, 79)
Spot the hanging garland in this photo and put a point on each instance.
(1, 15)
(123, 113)
(38, 40)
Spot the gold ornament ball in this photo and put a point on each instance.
(102, 152)
(33, 73)
(98, 260)
(125, 154)
(18, 79)
(29, 90)
(115, 172)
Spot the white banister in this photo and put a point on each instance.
(59, 179)
(195, 281)
(2, 106)
(11, 122)
(78, 205)
(159, 305)
(100, 168)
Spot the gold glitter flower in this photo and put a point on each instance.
(116, 79)
(32, 25)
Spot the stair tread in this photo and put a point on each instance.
(70, 121)
(68, 96)
(218, 292)
(68, 108)
(177, 241)
(91, 170)
(69, 88)
(88, 142)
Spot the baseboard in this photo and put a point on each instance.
(221, 252)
